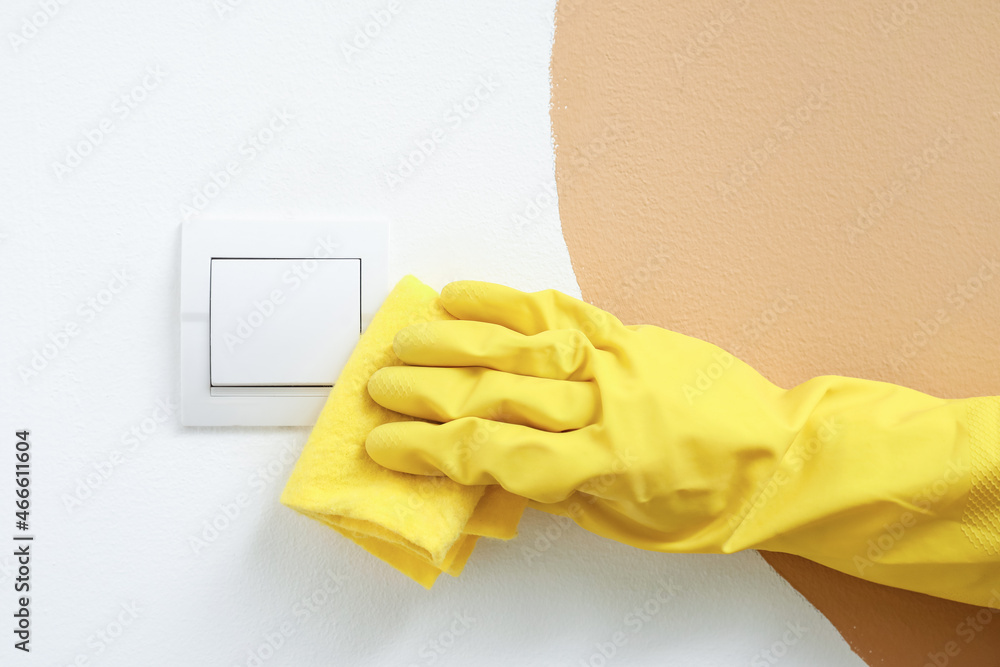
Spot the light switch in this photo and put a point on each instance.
(270, 313)
(288, 322)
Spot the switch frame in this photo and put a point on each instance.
(202, 404)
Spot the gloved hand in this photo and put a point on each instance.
(669, 443)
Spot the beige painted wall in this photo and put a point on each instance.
(814, 186)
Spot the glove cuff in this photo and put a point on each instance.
(981, 518)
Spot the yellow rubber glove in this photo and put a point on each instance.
(669, 443)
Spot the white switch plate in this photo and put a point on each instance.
(270, 312)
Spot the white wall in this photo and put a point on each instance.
(118, 548)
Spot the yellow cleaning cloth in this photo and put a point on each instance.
(422, 526)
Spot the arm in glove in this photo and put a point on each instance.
(669, 443)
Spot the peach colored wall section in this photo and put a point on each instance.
(814, 186)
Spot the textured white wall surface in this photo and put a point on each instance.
(118, 121)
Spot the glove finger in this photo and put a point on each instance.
(444, 394)
(538, 465)
(526, 312)
(561, 354)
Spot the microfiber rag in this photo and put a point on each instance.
(420, 525)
